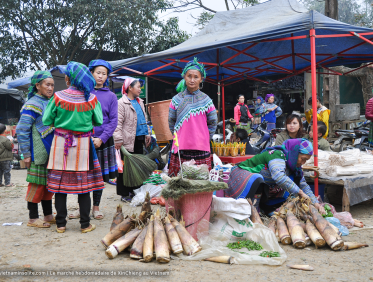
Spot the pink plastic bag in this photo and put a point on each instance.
(119, 161)
(345, 218)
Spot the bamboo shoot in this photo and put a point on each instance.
(190, 246)
(117, 232)
(353, 245)
(283, 232)
(118, 217)
(314, 235)
(137, 247)
(327, 232)
(149, 241)
(173, 237)
(255, 217)
(160, 240)
(122, 243)
(296, 231)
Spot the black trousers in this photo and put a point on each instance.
(138, 149)
(84, 201)
(33, 209)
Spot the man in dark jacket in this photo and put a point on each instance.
(241, 136)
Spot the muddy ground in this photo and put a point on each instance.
(44, 250)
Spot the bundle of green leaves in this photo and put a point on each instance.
(328, 210)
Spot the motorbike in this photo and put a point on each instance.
(218, 137)
(354, 138)
(266, 139)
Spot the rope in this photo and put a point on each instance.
(202, 216)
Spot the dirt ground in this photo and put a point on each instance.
(44, 250)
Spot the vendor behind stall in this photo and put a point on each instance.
(241, 136)
(276, 173)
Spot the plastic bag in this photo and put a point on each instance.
(216, 160)
(214, 244)
(194, 172)
(119, 161)
(337, 223)
(345, 218)
(139, 198)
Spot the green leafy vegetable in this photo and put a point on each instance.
(270, 254)
(248, 244)
(328, 210)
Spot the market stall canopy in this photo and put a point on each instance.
(16, 94)
(58, 75)
(255, 43)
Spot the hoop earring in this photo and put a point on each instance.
(201, 86)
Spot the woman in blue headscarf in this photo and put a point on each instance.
(192, 115)
(276, 173)
(35, 139)
(73, 164)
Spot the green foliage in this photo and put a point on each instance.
(39, 34)
(353, 12)
(270, 254)
(203, 19)
(328, 210)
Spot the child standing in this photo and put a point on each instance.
(259, 110)
(6, 157)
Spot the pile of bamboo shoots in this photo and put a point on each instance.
(148, 236)
(299, 223)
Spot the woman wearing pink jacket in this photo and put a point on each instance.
(242, 114)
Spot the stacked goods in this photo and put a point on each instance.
(229, 149)
(300, 223)
(148, 236)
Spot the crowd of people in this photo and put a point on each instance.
(70, 140)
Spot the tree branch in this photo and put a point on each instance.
(206, 8)
(226, 4)
(29, 51)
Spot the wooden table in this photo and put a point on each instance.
(345, 199)
(234, 160)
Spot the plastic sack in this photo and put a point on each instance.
(119, 161)
(214, 244)
(190, 170)
(216, 160)
(345, 218)
(337, 223)
(139, 198)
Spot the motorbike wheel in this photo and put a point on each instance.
(344, 145)
(364, 147)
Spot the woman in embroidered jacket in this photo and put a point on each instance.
(275, 173)
(73, 164)
(192, 115)
(132, 130)
(34, 143)
(271, 111)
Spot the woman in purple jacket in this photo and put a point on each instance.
(103, 135)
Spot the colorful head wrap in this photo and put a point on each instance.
(127, 82)
(97, 63)
(260, 98)
(269, 96)
(292, 148)
(36, 78)
(81, 78)
(192, 65)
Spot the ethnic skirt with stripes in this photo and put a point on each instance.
(107, 160)
(76, 182)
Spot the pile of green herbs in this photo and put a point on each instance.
(248, 244)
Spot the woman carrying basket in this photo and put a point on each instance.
(192, 115)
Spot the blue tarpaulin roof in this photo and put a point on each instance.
(233, 31)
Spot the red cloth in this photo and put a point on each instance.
(237, 113)
(369, 110)
(36, 193)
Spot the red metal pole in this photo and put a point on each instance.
(314, 104)
(223, 105)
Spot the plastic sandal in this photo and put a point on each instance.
(10, 185)
(93, 227)
(38, 223)
(61, 230)
(96, 215)
(74, 214)
(53, 221)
